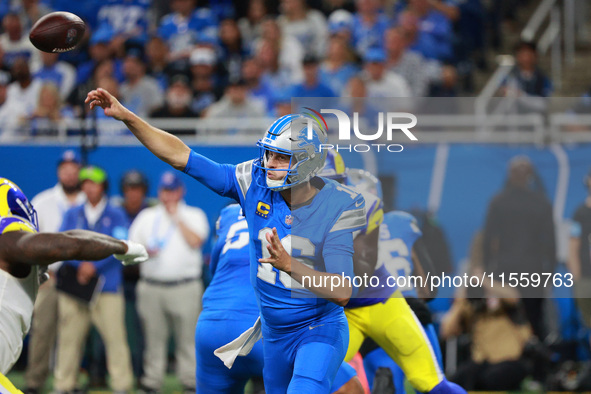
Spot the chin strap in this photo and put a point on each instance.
(275, 183)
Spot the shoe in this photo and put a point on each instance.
(30, 390)
(189, 390)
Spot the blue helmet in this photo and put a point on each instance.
(13, 202)
(299, 137)
(334, 167)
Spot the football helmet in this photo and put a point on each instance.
(299, 137)
(334, 167)
(13, 202)
(363, 180)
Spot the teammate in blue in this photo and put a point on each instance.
(300, 227)
(230, 308)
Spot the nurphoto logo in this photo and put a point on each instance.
(390, 121)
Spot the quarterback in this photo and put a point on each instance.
(305, 338)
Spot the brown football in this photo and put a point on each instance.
(57, 32)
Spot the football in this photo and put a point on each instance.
(57, 32)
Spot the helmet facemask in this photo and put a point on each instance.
(287, 136)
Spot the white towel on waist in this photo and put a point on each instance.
(240, 346)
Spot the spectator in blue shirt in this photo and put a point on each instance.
(204, 82)
(61, 73)
(158, 66)
(527, 79)
(312, 86)
(433, 34)
(181, 28)
(251, 73)
(129, 21)
(338, 67)
(369, 26)
(100, 51)
(275, 75)
(85, 9)
(527, 83)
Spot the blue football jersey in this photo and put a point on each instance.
(319, 233)
(230, 294)
(182, 34)
(398, 233)
(128, 17)
(366, 37)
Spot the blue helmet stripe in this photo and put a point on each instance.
(277, 126)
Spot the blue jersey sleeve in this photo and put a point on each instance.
(338, 254)
(221, 178)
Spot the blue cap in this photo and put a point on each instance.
(374, 55)
(170, 181)
(340, 20)
(69, 156)
(103, 35)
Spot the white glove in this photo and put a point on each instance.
(136, 253)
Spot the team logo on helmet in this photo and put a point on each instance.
(299, 137)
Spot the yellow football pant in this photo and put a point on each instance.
(396, 329)
(6, 386)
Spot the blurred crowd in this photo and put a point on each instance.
(187, 58)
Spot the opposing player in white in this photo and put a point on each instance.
(22, 250)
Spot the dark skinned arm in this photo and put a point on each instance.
(21, 247)
(365, 256)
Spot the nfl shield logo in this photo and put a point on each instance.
(288, 220)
